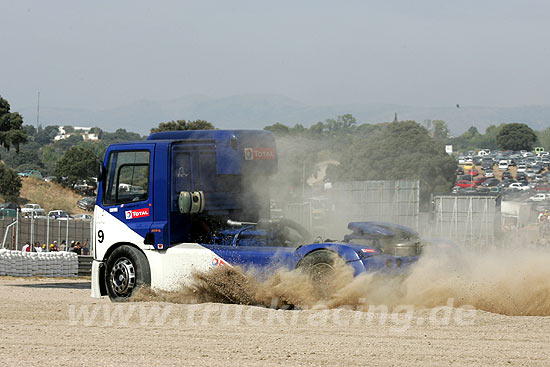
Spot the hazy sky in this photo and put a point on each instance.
(102, 54)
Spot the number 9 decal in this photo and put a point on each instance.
(100, 236)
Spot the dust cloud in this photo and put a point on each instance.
(508, 282)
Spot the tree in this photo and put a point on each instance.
(77, 164)
(31, 130)
(401, 150)
(183, 125)
(119, 135)
(516, 136)
(343, 123)
(46, 135)
(11, 127)
(28, 156)
(49, 158)
(65, 144)
(544, 138)
(278, 129)
(440, 130)
(10, 183)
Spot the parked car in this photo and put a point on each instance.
(30, 173)
(5, 212)
(36, 213)
(538, 197)
(521, 167)
(491, 182)
(489, 173)
(82, 217)
(468, 166)
(518, 186)
(521, 176)
(507, 175)
(10, 205)
(479, 180)
(503, 164)
(543, 187)
(537, 168)
(465, 183)
(27, 208)
(472, 172)
(59, 214)
(86, 203)
(459, 171)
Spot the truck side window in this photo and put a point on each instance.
(127, 177)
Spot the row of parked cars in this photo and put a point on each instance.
(531, 173)
(35, 211)
(504, 160)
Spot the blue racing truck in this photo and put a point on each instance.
(186, 201)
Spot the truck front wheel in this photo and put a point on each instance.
(126, 270)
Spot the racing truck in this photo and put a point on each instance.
(186, 201)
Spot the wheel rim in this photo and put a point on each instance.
(123, 277)
(322, 276)
(321, 272)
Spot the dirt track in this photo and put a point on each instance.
(40, 325)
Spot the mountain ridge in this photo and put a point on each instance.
(255, 111)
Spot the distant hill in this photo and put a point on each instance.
(253, 111)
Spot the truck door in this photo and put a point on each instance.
(128, 186)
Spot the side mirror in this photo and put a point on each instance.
(191, 202)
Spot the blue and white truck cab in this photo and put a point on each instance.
(186, 201)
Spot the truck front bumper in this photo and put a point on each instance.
(97, 279)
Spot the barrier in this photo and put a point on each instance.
(45, 264)
(14, 233)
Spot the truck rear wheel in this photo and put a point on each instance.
(127, 269)
(319, 266)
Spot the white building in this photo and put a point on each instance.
(78, 130)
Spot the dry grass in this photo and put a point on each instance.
(49, 195)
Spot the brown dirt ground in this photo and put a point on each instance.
(36, 329)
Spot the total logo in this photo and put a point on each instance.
(137, 213)
(218, 262)
(253, 154)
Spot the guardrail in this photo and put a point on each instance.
(85, 265)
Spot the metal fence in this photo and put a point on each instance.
(15, 232)
(472, 220)
(389, 201)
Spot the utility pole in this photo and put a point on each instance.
(38, 111)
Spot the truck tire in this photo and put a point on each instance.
(126, 270)
(319, 266)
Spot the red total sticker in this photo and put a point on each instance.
(254, 154)
(137, 213)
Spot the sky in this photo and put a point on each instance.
(104, 54)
